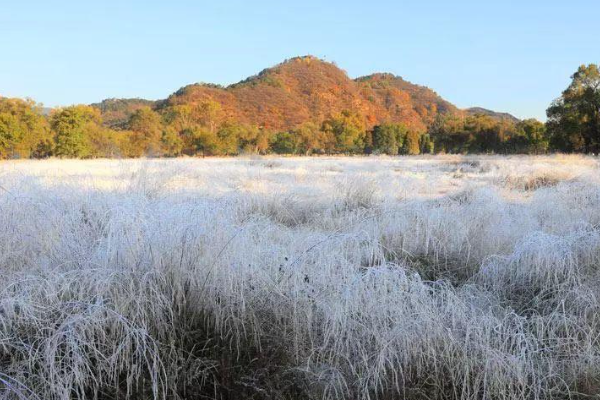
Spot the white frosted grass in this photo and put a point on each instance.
(284, 278)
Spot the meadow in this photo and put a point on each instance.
(427, 277)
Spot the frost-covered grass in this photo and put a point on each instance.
(300, 278)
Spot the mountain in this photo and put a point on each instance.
(490, 113)
(398, 100)
(116, 112)
(309, 89)
(303, 89)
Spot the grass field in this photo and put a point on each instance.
(443, 277)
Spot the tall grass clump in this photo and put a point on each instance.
(294, 278)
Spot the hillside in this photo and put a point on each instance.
(116, 112)
(305, 89)
(493, 114)
(309, 89)
(397, 100)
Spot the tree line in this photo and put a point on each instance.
(203, 129)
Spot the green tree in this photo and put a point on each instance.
(487, 134)
(426, 144)
(209, 114)
(228, 139)
(198, 127)
(534, 133)
(285, 143)
(306, 139)
(103, 142)
(205, 142)
(472, 134)
(389, 138)
(179, 117)
(251, 139)
(171, 142)
(180, 123)
(348, 130)
(70, 126)
(412, 143)
(574, 118)
(24, 131)
(310, 138)
(147, 130)
(449, 134)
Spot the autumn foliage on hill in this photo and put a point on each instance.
(301, 106)
(116, 112)
(308, 89)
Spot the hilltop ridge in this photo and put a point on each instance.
(307, 88)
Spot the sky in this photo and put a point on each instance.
(512, 56)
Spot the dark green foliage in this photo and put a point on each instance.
(484, 134)
(426, 144)
(285, 143)
(71, 126)
(389, 138)
(574, 118)
(535, 136)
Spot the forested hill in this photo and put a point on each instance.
(490, 113)
(116, 112)
(304, 89)
(301, 106)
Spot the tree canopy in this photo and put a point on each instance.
(24, 131)
(71, 126)
(574, 118)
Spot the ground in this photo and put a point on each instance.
(442, 277)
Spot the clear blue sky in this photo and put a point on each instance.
(513, 56)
